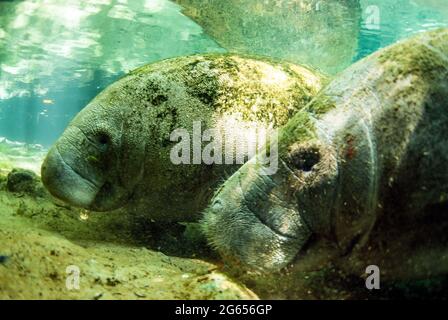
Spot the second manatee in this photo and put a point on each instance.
(362, 176)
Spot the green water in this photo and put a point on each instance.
(55, 56)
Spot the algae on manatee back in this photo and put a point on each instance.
(117, 153)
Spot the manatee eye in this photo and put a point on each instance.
(305, 159)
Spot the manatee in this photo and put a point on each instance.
(116, 153)
(362, 180)
(321, 33)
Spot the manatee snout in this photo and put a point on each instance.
(264, 221)
(65, 183)
(83, 167)
(250, 220)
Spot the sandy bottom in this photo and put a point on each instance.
(51, 251)
(48, 251)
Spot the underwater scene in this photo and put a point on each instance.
(223, 149)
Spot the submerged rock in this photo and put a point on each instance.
(24, 181)
(364, 180)
(321, 33)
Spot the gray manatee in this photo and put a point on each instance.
(321, 33)
(362, 180)
(116, 153)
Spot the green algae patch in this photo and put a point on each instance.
(419, 56)
(273, 91)
(93, 160)
(257, 88)
(301, 128)
(321, 105)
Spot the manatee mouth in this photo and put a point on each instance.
(65, 183)
(109, 197)
(250, 225)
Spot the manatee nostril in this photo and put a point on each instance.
(103, 141)
(305, 159)
(107, 187)
(217, 205)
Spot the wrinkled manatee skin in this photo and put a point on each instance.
(364, 179)
(319, 33)
(116, 152)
